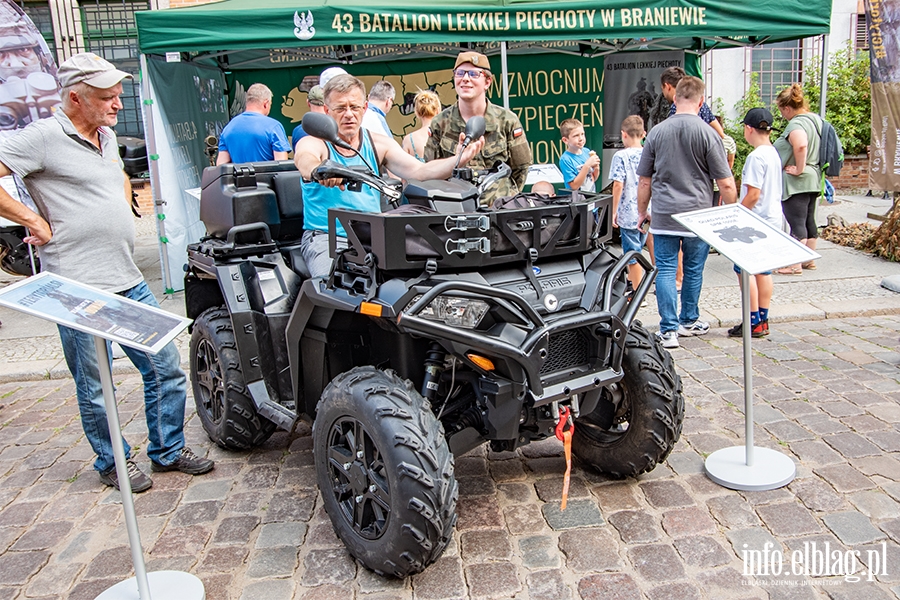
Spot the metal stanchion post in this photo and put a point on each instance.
(115, 434)
(748, 367)
(168, 584)
(746, 467)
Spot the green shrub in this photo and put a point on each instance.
(735, 127)
(848, 106)
(849, 103)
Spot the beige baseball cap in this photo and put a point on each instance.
(91, 69)
(476, 58)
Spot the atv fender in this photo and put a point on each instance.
(257, 293)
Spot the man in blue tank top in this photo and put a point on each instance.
(345, 102)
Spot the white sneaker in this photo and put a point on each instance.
(696, 328)
(668, 339)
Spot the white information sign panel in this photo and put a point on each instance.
(745, 238)
(544, 172)
(756, 247)
(94, 311)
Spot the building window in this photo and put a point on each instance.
(110, 32)
(860, 33)
(778, 65)
(39, 13)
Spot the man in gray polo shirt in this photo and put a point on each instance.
(681, 158)
(84, 231)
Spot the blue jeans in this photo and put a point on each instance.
(632, 239)
(665, 249)
(165, 388)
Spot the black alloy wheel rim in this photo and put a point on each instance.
(359, 478)
(210, 380)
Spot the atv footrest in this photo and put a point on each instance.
(273, 411)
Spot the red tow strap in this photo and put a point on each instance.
(565, 436)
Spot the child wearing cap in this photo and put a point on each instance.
(761, 193)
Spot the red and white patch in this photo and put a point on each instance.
(517, 132)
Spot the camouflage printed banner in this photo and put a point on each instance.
(544, 90)
(883, 22)
(28, 87)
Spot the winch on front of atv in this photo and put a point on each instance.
(442, 326)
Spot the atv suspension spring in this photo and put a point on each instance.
(434, 366)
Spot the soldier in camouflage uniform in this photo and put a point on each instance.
(504, 137)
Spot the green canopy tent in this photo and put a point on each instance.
(331, 31)
(299, 37)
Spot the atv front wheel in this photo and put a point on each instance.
(638, 420)
(224, 406)
(385, 471)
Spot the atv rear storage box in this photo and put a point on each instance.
(251, 193)
(408, 241)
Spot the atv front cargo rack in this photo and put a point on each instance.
(409, 241)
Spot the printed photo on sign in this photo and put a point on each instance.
(745, 239)
(93, 311)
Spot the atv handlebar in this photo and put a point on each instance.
(330, 169)
(491, 177)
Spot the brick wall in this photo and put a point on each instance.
(144, 195)
(854, 175)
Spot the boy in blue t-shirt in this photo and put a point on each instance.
(623, 173)
(580, 166)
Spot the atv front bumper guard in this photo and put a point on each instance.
(596, 315)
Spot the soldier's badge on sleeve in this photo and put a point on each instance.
(429, 132)
(518, 132)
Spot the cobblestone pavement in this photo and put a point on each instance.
(827, 396)
(861, 288)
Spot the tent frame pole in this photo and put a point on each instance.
(823, 87)
(503, 70)
(153, 155)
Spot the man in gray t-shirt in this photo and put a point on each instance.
(84, 231)
(681, 158)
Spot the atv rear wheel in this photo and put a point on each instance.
(385, 471)
(638, 420)
(224, 406)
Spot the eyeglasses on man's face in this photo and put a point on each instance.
(339, 110)
(472, 73)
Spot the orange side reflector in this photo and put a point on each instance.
(370, 308)
(485, 363)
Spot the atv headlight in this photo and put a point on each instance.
(455, 311)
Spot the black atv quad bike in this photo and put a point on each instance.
(441, 327)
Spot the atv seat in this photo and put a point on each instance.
(289, 195)
(295, 261)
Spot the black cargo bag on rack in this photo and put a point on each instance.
(559, 214)
(416, 246)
